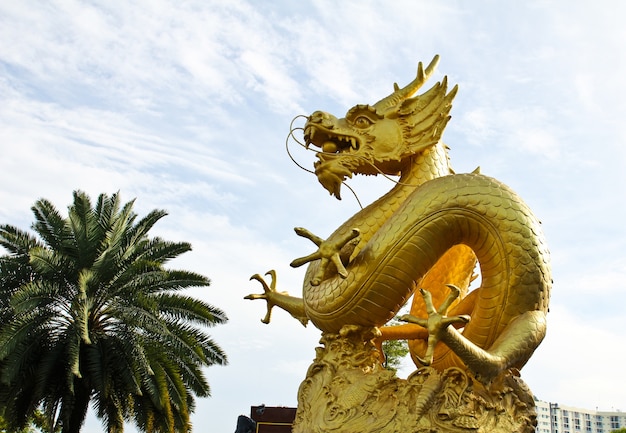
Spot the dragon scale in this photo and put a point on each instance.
(468, 209)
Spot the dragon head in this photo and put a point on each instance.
(379, 138)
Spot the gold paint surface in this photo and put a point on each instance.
(433, 231)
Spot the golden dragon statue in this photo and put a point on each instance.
(433, 234)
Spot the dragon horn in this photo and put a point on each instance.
(404, 93)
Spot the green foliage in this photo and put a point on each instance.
(36, 423)
(620, 430)
(395, 351)
(89, 314)
(4, 428)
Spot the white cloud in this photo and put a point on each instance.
(593, 353)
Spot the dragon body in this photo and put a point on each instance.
(428, 232)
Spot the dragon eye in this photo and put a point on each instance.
(362, 122)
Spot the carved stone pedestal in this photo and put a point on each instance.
(346, 390)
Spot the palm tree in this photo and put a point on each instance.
(90, 315)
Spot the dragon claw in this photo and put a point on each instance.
(267, 291)
(301, 231)
(437, 321)
(328, 252)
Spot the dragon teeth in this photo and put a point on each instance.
(345, 139)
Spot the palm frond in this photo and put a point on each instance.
(86, 233)
(143, 226)
(20, 329)
(195, 346)
(160, 251)
(16, 241)
(190, 309)
(51, 264)
(40, 295)
(106, 207)
(50, 225)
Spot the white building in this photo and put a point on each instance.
(557, 418)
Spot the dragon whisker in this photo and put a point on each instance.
(292, 135)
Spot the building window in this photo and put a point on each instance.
(614, 422)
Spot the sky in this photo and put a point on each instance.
(186, 106)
